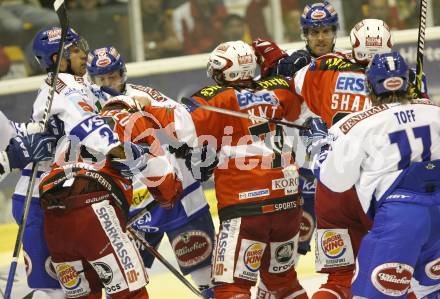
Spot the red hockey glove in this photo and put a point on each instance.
(268, 53)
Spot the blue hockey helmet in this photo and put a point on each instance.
(320, 14)
(47, 41)
(105, 60)
(388, 73)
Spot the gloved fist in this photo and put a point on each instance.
(315, 138)
(268, 53)
(288, 66)
(23, 150)
(135, 161)
(201, 163)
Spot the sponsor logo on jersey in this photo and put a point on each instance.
(224, 238)
(318, 15)
(392, 279)
(338, 64)
(306, 227)
(50, 270)
(252, 256)
(104, 271)
(351, 83)
(68, 276)
(59, 86)
(210, 90)
(27, 263)
(333, 244)
(290, 185)
(114, 233)
(276, 82)
(248, 99)
(393, 83)
(432, 269)
(284, 253)
(347, 125)
(253, 194)
(192, 248)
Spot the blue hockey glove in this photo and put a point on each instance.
(288, 66)
(23, 150)
(316, 138)
(136, 159)
(200, 163)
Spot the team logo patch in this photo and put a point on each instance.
(393, 83)
(192, 248)
(104, 272)
(392, 279)
(68, 276)
(50, 270)
(252, 256)
(432, 269)
(306, 227)
(333, 244)
(318, 15)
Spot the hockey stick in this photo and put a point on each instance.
(62, 16)
(191, 103)
(421, 44)
(170, 267)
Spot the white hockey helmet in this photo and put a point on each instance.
(232, 62)
(370, 37)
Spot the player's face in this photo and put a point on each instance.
(78, 60)
(112, 80)
(320, 40)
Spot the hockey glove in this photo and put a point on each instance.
(201, 163)
(316, 138)
(288, 66)
(268, 53)
(23, 150)
(135, 161)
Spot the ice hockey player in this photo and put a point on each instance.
(319, 23)
(342, 90)
(73, 112)
(256, 182)
(94, 196)
(391, 154)
(188, 224)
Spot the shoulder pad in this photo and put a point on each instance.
(338, 63)
(274, 82)
(210, 91)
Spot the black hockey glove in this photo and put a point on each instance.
(201, 162)
(288, 66)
